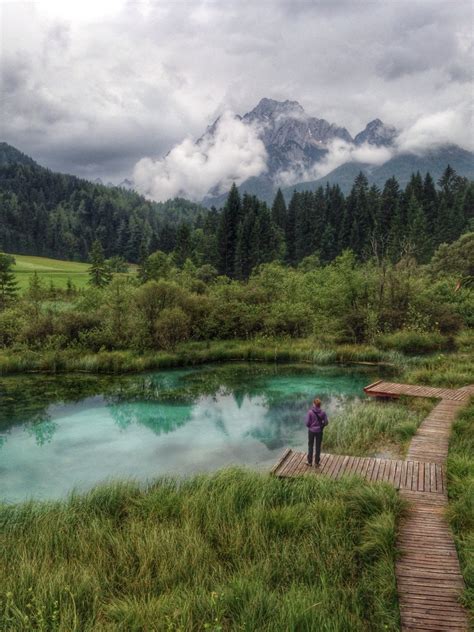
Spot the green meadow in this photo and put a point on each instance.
(52, 271)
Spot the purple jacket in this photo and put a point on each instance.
(316, 419)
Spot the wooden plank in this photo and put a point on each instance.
(353, 467)
(421, 477)
(338, 464)
(381, 472)
(439, 478)
(433, 477)
(375, 473)
(370, 386)
(348, 465)
(370, 469)
(399, 472)
(287, 464)
(281, 461)
(342, 467)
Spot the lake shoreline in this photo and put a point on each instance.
(194, 354)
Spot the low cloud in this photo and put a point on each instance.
(450, 126)
(339, 152)
(233, 153)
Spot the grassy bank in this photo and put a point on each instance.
(231, 551)
(194, 353)
(448, 368)
(451, 370)
(461, 496)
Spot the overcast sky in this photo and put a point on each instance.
(92, 86)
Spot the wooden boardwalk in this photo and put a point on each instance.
(429, 578)
(391, 389)
(411, 475)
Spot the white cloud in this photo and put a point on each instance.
(453, 125)
(339, 152)
(233, 153)
(92, 88)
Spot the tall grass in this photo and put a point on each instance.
(446, 369)
(461, 496)
(367, 426)
(193, 353)
(229, 551)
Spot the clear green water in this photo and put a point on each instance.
(63, 432)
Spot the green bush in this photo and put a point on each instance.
(171, 327)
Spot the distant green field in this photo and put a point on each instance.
(51, 270)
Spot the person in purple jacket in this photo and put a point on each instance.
(316, 421)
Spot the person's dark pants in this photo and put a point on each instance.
(312, 438)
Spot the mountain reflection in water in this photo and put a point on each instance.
(61, 432)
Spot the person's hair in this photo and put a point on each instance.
(317, 401)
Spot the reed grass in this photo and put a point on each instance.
(266, 350)
(364, 428)
(230, 551)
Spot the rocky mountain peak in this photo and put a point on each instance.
(290, 135)
(269, 108)
(376, 133)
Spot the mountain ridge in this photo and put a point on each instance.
(296, 142)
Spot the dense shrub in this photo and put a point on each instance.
(345, 301)
(171, 327)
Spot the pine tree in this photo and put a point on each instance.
(450, 220)
(335, 212)
(468, 207)
(228, 228)
(417, 236)
(35, 292)
(357, 203)
(8, 283)
(415, 187)
(290, 229)
(388, 217)
(328, 244)
(304, 228)
(279, 210)
(183, 248)
(430, 202)
(99, 273)
(267, 238)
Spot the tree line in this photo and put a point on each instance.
(56, 215)
(391, 223)
(48, 214)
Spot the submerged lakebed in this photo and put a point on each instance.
(71, 431)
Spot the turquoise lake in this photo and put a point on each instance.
(63, 432)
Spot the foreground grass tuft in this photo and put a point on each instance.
(461, 496)
(230, 551)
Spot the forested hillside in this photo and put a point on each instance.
(50, 214)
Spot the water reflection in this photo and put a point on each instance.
(58, 432)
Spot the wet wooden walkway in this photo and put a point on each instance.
(429, 578)
(413, 475)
